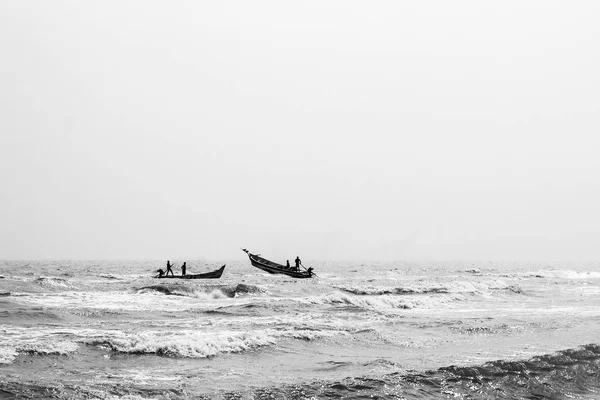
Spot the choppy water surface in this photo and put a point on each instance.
(84, 329)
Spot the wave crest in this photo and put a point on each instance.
(7, 355)
(62, 347)
(211, 291)
(193, 344)
(377, 291)
(383, 303)
(53, 282)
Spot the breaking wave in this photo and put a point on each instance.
(52, 282)
(8, 354)
(463, 287)
(47, 347)
(194, 344)
(381, 303)
(212, 291)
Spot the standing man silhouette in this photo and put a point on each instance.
(298, 262)
(183, 269)
(169, 269)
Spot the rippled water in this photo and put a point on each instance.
(89, 329)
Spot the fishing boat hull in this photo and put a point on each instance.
(208, 275)
(274, 268)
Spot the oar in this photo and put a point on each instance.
(307, 269)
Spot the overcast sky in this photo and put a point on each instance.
(388, 130)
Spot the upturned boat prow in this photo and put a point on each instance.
(274, 268)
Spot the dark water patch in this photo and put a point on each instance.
(109, 276)
(165, 289)
(85, 390)
(219, 311)
(44, 279)
(249, 306)
(571, 373)
(536, 276)
(512, 288)
(250, 309)
(515, 289)
(243, 288)
(4, 294)
(22, 390)
(236, 310)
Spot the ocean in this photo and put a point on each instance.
(385, 330)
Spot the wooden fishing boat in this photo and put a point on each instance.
(274, 268)
(216, 274)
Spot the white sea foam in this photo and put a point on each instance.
(114, 301)
(194, 344)
(154, 298)
(40, 342)
(54, 282)
(46, 347)
(383, 302)
(7, 354)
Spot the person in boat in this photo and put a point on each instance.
(287, 264)
(183, 267)
(160, 273)
(298, 262)
(169, 269)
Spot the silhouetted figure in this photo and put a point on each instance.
(298, 262)
(287, 264)
(160, 273)
(183, 269)
(169, 269)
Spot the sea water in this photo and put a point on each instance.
(395, 330)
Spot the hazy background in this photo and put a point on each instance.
(423, 130)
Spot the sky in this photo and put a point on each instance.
(353, 130)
